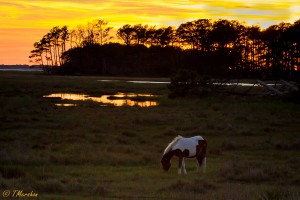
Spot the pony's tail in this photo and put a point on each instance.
(204, 155)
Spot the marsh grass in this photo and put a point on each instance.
(90, 151)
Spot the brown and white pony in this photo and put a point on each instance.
(193, 147)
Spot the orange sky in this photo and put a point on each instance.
(24, 22)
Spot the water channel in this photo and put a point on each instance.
(119, 99)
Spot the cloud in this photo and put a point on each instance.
(46, 13)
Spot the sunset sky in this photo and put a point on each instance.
(24, 22)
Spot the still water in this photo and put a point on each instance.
(119, 99)
(168, 82)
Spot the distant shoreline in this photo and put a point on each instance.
(20, 68)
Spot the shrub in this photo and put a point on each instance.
(189, 83)
(12, 172)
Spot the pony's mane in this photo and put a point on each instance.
(172, 144)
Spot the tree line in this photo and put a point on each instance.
(218, 48)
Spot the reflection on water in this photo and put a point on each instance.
(153, 82)
(235, 84)
(142, 82)
(66, 104)
(119, 99)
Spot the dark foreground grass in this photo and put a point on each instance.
(98, 152)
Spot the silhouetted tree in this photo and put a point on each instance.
(37, 53)
(204, 28)
(126, 33)
(188, 35)
(221, 48)
(275, 48)
(252, 50)
(77, 36)
(295, 42)
(225, 38)
(151, 35)
(51, 47)
(102, 31)
(166, 36)
(139, 34)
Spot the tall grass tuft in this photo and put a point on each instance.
(12, 172)
(50, 186)
(195, 186)
(279, 194)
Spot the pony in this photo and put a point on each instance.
(193, 147)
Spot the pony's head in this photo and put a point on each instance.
(166, 164)
(168, 154)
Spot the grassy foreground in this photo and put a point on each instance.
(98, 152)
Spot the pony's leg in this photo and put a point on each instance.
(201, 162)
(198, 167)
(183, 167)
(180, 165)
(204, 165)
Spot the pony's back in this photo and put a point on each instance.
(174, 141)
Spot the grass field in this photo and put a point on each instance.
(106, 152)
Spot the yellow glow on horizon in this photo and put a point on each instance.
(37, 16)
